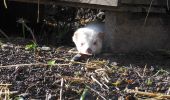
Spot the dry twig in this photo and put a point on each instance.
(97, 92)
(148, 12)
(5, 4)
(23, 22)
(3, 33)
(94, 79)
(167, 3)
(32, 64)
(148, 94)
(159, 71)
(144, 71)
(76, 79)
(61, 89)
(38, 12)
(4, 92)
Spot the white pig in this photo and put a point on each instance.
(88, 39)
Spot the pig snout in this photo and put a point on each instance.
(89, 51)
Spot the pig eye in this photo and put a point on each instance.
(95, 43)
(82, 44)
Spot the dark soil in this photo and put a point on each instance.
(49, 74)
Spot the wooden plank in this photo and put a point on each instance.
(66, 3)
(98, 2)
(94, 2)
(145, 2)
(125, 6)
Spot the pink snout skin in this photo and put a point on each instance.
(89, 51)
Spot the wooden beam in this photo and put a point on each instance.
(71, 4)
(94, 2)
(123, 7)
(97, 2)
(145, 2)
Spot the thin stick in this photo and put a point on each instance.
(42, 64)
(5, 84)
(138, 74)
(156, 74)
(144, 70)
(94, 79)
(96, 92)
(76, 79)
(148, 94)
(61, 89)
(29, 29)
(3, 33)
(11, 92)
(22, 21)
(148, 12)
(33, 64)
(76, 62)
(167, 3)
(38, 12)
(5, 4)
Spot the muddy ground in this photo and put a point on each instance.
(30, 71)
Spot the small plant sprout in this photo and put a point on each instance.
(31, 46)
(118, 82)
(149, 81)
(51, 62)
(18, 98)
(84, 94)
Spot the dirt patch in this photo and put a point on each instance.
(49, 74)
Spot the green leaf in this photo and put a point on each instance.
(31, 46)
(51, 62)
(84, 94)
(18, 98)
(117, 83)
(149, 81)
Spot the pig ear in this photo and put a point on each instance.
(101, 35)
(74, 38)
